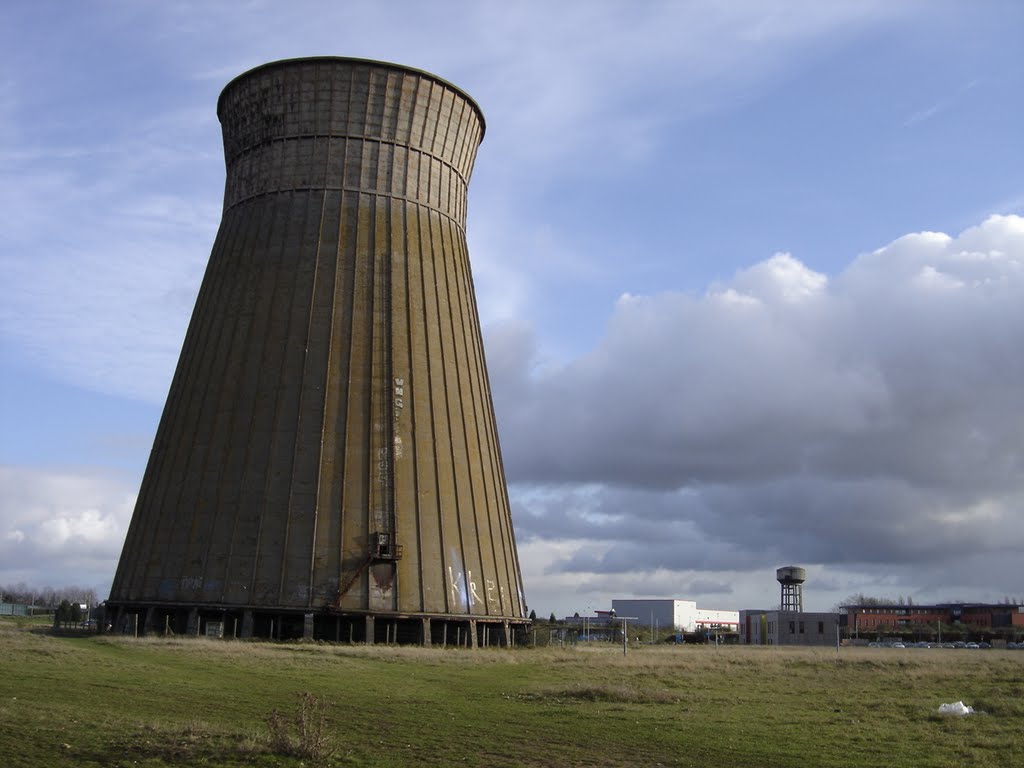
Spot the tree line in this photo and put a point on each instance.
(873, 600)
(49, 598)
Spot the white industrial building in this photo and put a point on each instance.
(677, 615)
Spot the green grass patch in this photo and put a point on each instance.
(106, 701)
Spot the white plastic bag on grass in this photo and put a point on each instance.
(956, 708)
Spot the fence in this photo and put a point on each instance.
(14, 609)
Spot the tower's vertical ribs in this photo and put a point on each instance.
(419, 400)
(438, 351)
(432, 550)
(409, 581)
(342, 322)
(358, 427)
(218, 491)
(303, 405)
(318, 337)
(270, 423)
(308, 350)
(422, 373)
(239, 555)
(461, 389)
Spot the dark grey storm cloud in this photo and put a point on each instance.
(873, 418)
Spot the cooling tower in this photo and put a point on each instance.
(327, 464)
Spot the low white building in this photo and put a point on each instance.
(676, 615)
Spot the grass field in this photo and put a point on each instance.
(105, 701)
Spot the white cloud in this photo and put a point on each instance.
(62, 527)
(82, 527)
(780, 279)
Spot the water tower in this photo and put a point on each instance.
(792, 580)
(327, 464)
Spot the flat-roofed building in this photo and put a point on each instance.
(677, 615)
(759, 627)
(891, 617)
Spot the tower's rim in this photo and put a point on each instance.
(354, 60)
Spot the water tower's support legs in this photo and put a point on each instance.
(192, 626)
(370, 639)
(472, 633)
(307, 627)
(425, 631)
(247, 624)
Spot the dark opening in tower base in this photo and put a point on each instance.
(328, 626)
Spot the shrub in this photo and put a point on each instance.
(305, 733)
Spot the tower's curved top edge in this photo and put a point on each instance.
(355, 60)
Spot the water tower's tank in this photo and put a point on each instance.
(327, 464)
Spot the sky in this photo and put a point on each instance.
(750, 274)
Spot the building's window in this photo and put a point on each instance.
(801, 627)
(821, 627)
(792, 627)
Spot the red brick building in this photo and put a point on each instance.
(871, 619)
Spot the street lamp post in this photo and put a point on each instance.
(625, 637)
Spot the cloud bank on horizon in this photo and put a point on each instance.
(680, 411)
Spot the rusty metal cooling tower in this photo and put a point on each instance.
(327, 464)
